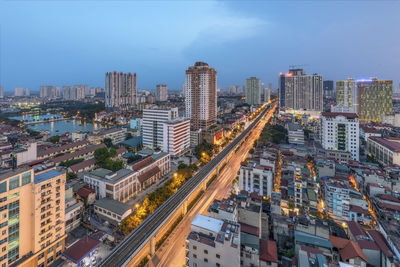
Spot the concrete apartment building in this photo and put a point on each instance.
(386, 150)
(340, 132)
(162, 92)
(213, 242)
(117, 135)
(120, 90)
(76, 92)
(299, 91)
(253, 91)
(19, 91)
(201, 96)
(337, 200)
(32, 220)
(176, 136)
(295, 134)
(256, 177)
(153, 126)
(50, 92)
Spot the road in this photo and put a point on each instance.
(126, 249)
(173, 251)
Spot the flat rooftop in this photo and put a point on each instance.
(46, 176)
(208, 223)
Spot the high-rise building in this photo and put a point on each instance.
(96, 91)
(370, 98)
(328, 89)
(347, 94)
(1, 92)
(201, 96)
(337, 198)
(153, 126)
(340, 132)
(27, 92)
(33, 210)
(176, 136)
(298, 91)
(49, 91)
(162, 92)
(375, 97)
(253, 91)
(19, 91)
(121, 90)
(67, 92)
(267, 93)
(80, 91)
(76, 92)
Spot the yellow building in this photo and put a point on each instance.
(32, 210)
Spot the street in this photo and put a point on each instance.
(173, 251)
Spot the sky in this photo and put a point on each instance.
(77, 42)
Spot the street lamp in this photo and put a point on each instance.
(137, 205)
(175, 175)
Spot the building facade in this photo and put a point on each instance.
(257, 179)
(340, 132)
(386, 150)
(337, 200)
(253, 91)
(121, 90)
(201, 96)
(153, 126)
(347, 94)
(49, 92)
(299, 91)
(32, 218)
(19, 91)
(162, 92)
(176, 136)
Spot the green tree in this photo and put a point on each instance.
(108, 142)
(54, 139)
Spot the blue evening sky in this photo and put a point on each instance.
(76, 42)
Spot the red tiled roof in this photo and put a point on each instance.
(121, 150)
(388, 197)
(249, 229)
(351, 251)
(358, 209)
(268, 251)
(338, 242)
(77, 153)
(137, 166)
(85, 191)
(311, 250)
(367, 244)
(255, 196)
(356, 229)
(61, 148)
(335, 114)
(150, 173)
(391, 145)
(389, 206)
(80, 249)
(82, 165)
(381, 243)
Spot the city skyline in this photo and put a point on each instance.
(50, 53)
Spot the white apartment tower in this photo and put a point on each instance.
(201, 96)
(19, 91)
(162, 92)
(340, 132)
(176, 136)
(153, 126)
(1, 92)
(121, 90)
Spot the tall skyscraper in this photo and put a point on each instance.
(253, 91)
(297, 90)
(201, 96)
(1, 92)
(27, 92)
(328, 89)
(121, 90)
(19, 91)
(369, 98)
(162, 92)
(267, 94)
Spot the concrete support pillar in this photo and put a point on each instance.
(152, 246)
(184, 207)
(204, 185)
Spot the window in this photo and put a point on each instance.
(205, 260)
(26, 178)
(205, 251)
(4, 249)
(14, 183)
(218, 256)
(50, 259)
(3, 187)
(4, 232)
(195, 256)
(50, 250)
(217, 264)
(59, 244)
(194, 247)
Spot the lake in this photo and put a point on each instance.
(58, 127)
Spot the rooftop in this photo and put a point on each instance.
(312, 239)
(78, 251)
(46, 176)
(391, 145)
(208, 223)
(335, 114)
(112, 205)
(268, 251)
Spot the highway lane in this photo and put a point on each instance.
(173, 251)
(138, 237)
